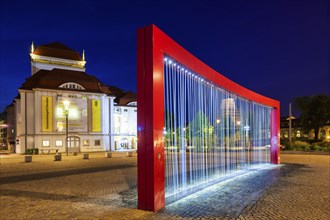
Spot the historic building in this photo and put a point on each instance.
(298, 133)
(125, 121)
(3, 131)
(60, 106)
(11, 139)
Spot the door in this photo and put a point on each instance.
(73, 144)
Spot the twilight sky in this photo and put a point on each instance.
(278, 48)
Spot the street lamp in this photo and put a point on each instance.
(66, 109)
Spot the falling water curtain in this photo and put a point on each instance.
(208, 131)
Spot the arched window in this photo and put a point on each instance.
(71, 85)
(132, 103)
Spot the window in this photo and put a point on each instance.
(298, 134)
(97, 142)
(45, 143)
(125, 110)
(135, 110)
(86, 142)
(286, 135)
(132, 103)
(58, 143)
(72, 85)
(322, 134)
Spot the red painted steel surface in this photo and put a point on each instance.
(152, 44)
(275, 137)
(151, 188)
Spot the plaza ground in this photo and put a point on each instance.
(106, 188)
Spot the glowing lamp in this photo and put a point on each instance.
(66, 104)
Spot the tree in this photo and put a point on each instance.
(199, 131)
(315, 112)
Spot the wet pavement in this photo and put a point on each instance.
(106, 188)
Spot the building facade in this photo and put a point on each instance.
(125, 121)
(61, 107)
(298, 133)
(3, 131)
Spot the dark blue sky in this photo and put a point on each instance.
(278, 48)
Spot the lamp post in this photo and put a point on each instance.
(66, 109)
(290, 125)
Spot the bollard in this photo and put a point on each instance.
(108, 154)
(58, 157)
(27, 158)
(85, 156)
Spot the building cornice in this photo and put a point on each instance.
(57, 61)
(68, 91)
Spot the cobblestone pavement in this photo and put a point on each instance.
(105, 188)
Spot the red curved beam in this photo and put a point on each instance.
(152, 44)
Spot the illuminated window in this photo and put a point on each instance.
(322, 134)
(97, 143)
(45, 143)
(286, 135)
(59, 111)
(86, 142)
(298, 134)
(58, 143)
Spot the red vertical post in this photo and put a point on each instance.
(150, 98)
(275, 137)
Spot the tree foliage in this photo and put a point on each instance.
(200, 131)
(315, 111)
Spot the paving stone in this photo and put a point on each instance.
(106, 188)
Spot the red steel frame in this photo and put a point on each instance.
(152, 44)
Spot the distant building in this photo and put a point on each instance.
(11, 125)
(125, 120)
(3, 131)
(298, 132)
(58, 88)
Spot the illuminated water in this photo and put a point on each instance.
(209, 132)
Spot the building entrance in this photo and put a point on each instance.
(73, 144)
